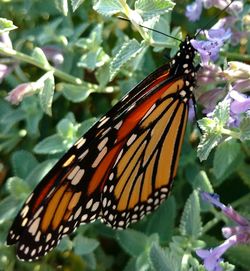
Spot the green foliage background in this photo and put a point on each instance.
(104, 57)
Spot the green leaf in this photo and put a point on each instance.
(244, 172)
(201, 182)
(77, 94)
(162, 220)
(39, 172)
(62, 6)
(108, 7)
(93, 59)
(50, 145)
(6, 25)
(133, 242)
(33, 114)
(76, 4)
(159, 259)
(222, 112)
(90, 259)
(83, 245)
(190, 224)
(11, 118)
(39, 55)
(65, 244)
(93, 41)
(225, 158)
(240, 256)
(8, 208)
(47, 93)
(23, 162)
(85, 126)
(149, 9)
(102, 75)
(142, 261)
(245, 129)
(207, 124)
(131, 265)
(66, 128)
(128, 51)
(18, 188)
(207, 143)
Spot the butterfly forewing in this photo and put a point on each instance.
(120, 170)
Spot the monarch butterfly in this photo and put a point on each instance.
(120, 170)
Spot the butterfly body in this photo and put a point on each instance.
(120, 170)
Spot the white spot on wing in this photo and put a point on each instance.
(100, 157)
(73, 172)
(78, 212)
(25, 211)
(118, 125)
(103, 120)
(83, 155)
(102, 143)
(80, 142)
(24, 222)
(34, 226)
(29, 198)
(149, 111)
(38, 235)
(78, 177)
(131, 139)
(95, 206)
(89, 204)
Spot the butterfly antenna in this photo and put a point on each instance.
(215, 17)
(154, 30)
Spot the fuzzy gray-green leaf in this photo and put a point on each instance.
(108, 7)
(47, 93)
(245, 129)
(226, 154)
(191, 221)
(128, 51)
(75, 93)
(149, 9)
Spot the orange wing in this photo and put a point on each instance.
(121, 169)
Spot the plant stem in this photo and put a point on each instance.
(230, 133)
(210, 224)
(29, 59)
(243, 200)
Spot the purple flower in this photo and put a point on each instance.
(209, 50)
(27, 89)
(212, 257)
(208, 74)
(4, 71)
(240, 103)
(242, 85)
(5, 38)
(54, 54)
(235, 7)
(210, 98)
(191, 112)
(227, 210)
(236, 235)
(193, 11)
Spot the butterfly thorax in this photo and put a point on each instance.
(183, 65)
